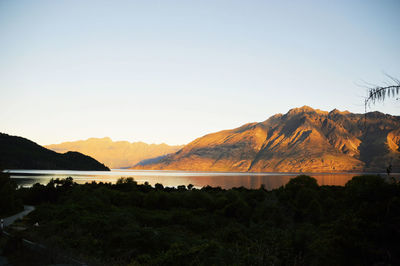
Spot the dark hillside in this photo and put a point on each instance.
(20, 153)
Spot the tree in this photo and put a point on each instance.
(9, 200)
(379, 93)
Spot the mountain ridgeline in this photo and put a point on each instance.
(302, 140)
(20, 153)
(116, 154)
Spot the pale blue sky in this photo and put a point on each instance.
(172, 71)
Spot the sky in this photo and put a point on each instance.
(172, 71)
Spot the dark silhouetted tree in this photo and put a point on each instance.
(9, 201)
(380, 93)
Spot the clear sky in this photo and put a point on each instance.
(172, 71)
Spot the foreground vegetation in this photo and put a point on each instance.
(10, 203)
(298, 224)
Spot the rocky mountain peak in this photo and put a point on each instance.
(302, 140)
(305, 110)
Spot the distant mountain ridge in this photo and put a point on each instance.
(115, 154)
(20, 153)
(302, 140)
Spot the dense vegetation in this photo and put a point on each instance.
(10, 203)
(21, 153)
(298, 224)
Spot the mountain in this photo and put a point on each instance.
(20, 153)
(302, 140)
(115, 154)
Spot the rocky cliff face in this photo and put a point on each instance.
(302, 140)
(115, 154)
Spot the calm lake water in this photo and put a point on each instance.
(225, 180)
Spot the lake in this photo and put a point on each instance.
(226, 180)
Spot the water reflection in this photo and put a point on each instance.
(27, 178)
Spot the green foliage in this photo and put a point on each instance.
(301, 223)
(10, 203)
(302, 181)
(379, 93)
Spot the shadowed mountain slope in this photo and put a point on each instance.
(302, 140)
(115, 154)
(20, 153)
